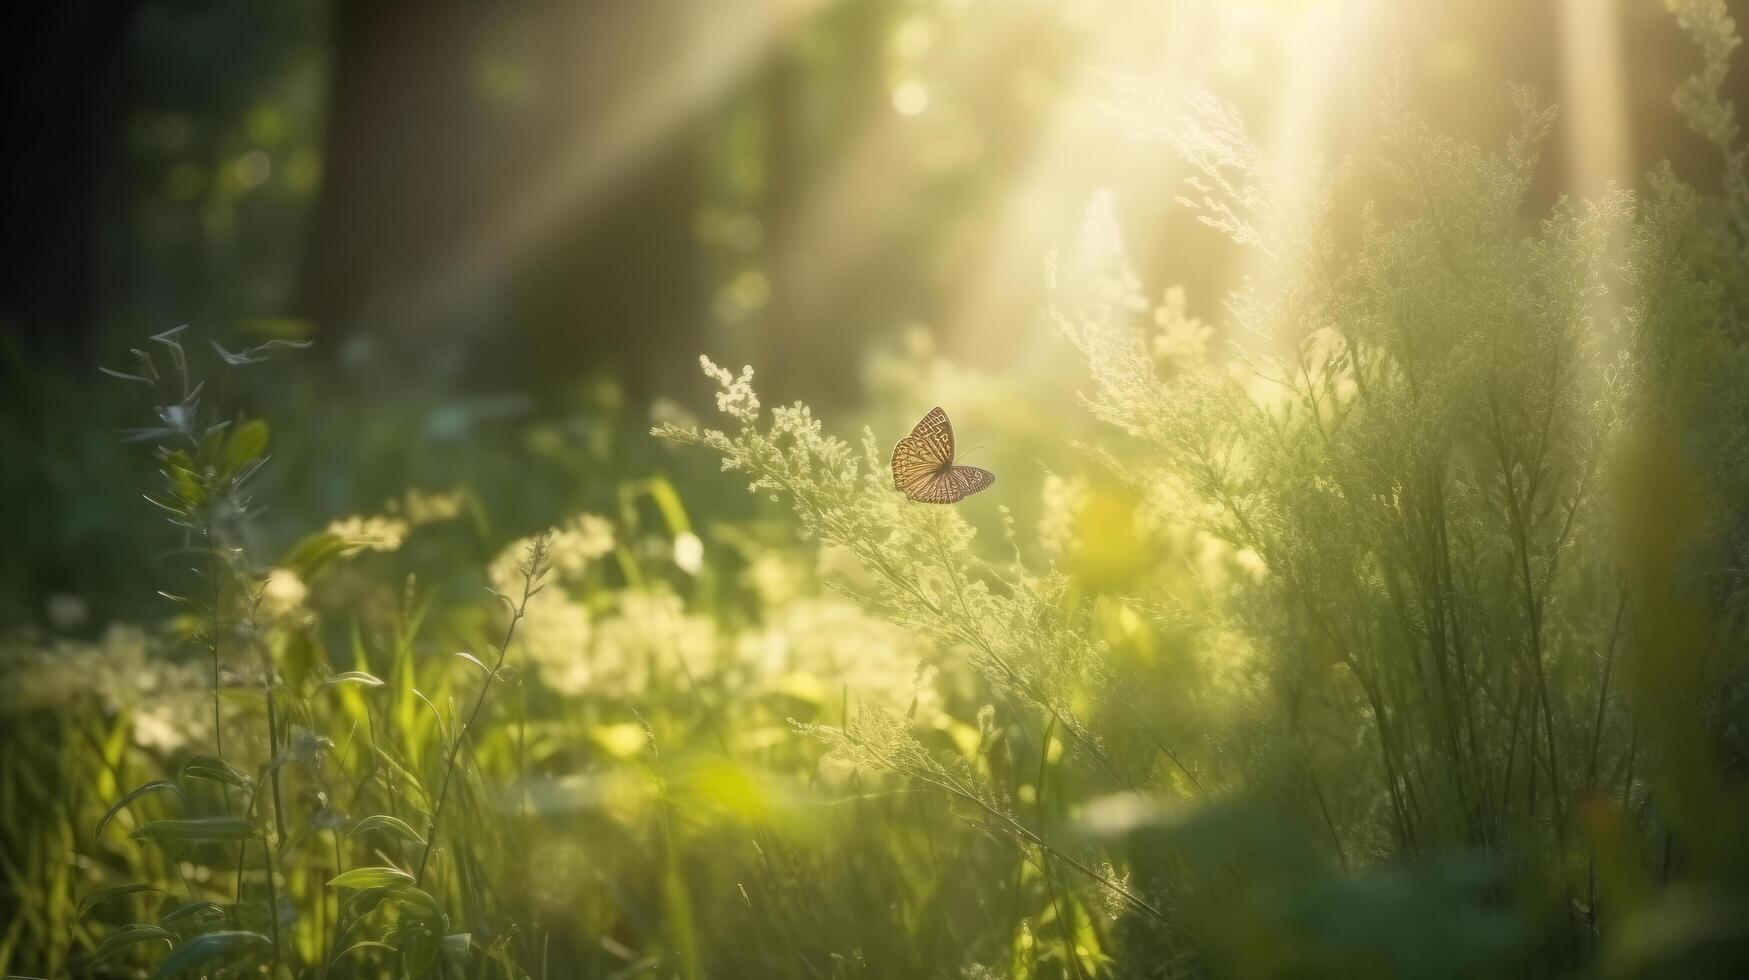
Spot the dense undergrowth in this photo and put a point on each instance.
(1395, 627)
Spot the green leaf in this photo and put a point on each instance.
(188, 910)
(668, 501)
(384, 823)
(247, 442)
(129, 935)
(406, 779)
(100, 896)
(476, 661)
(364, 678)
(184, 479)
(362, 944)
(213, 441)
(215, 769)
(442, 732)
(196, 830)
(375, 877)
(418, 951)
(204, 949)
(155, 786)
(419, 905)
(363, 902)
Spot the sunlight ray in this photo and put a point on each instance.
(1594, 108)
(717, 45)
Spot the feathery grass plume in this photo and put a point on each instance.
(927, 574)
(1417, 438)
(1013, 629)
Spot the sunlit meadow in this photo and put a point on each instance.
(1372, 608)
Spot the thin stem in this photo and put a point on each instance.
(333, 941)
(272, 718)
(522, 754)
(531, 572)
(212, 551)
(1324, 808)
(1044, 756)
(1532, 611)
(243, 845)
(1603, 691)
(272, 901)
(1179, 763)
(947, 783)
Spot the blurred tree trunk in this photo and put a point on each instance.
(488, 188)
(407, 150)
(60, 123)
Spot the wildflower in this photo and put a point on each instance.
(832, 640)
(570, 549)
(370, 533)
(159, 728)
(650, 633)
(688, 552)
(554, 638)
(123, 671)
(283, 594)
(425, 507)
(578, 542)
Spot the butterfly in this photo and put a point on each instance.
(923, 464)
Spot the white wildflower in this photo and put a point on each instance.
(688, 552)
(370, 533)
(554, 638)
(283, 594)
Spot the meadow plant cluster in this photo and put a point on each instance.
(1391, 624)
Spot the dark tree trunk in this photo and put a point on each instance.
(407, 152)
(481, 192)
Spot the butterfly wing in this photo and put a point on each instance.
(924, 454)
(970, 479)
(951, 485)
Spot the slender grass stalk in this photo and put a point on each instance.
(534, 567)
(214, 627)
(272, 900)
(215, 624)
(1044, 755)
(1007, 822)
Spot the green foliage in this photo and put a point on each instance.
(1391, 625)
(1418, 449)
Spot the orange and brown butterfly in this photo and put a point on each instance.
(924, 469)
